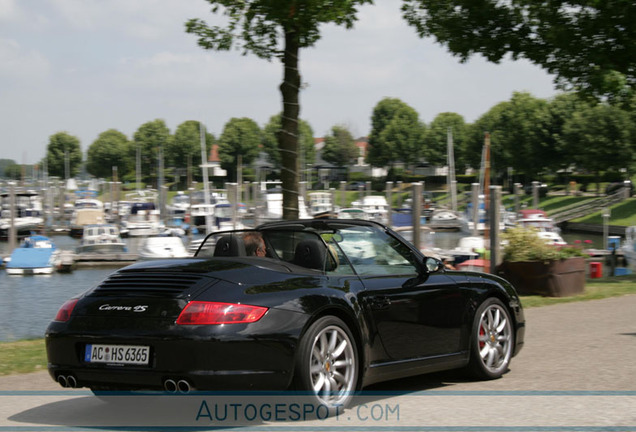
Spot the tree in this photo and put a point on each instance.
(4, 164)
(307, 154)
(405, 135)
(110, 149)
(396, 133)
(277, 29)
(340, 148)
(600, 138)
(437, 138)
(149, 139)
(184, 150)
(63, 153)
(516, 136)
(589, 45)
(240, 137)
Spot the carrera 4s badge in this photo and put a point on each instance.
(138, 308)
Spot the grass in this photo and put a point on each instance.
(30, 356)
(623, 214)
(22, 357)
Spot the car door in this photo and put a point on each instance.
(414, 317)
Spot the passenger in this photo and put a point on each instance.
(254, 244)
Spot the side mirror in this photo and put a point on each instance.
(433, 264)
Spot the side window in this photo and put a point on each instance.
(374, 253)
(338, 262)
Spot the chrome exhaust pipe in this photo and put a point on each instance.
(61, 379)
(71, 381)
(184, 386)
(170, 386)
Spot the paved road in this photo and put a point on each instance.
(576, 372)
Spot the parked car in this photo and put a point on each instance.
(334, 305)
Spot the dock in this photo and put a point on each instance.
(115, 259)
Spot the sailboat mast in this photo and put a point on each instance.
(486, 183)
(451, 169)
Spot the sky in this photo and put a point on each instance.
(87, 66)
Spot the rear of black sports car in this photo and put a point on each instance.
(177, 326)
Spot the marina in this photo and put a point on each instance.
(28, 303)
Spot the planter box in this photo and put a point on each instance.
(560, 278)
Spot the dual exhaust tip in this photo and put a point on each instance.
(68, 381)
(181, 386)
(170, 385)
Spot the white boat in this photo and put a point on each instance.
(375, 206)
(352, 213)
(319, 203)
(544, 226)
(163, 247)
(274, 206)
(144, 220)
(84, 216)
(28, 214)
(36, 255)
(445, 219)
(101, 238)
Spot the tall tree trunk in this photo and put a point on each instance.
(288, 135)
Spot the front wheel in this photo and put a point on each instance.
(492, 340)
(327, 362)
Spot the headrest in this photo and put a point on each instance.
(310, 253)
(229, 246)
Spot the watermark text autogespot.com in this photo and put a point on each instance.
(237, 412)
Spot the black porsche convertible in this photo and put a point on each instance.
(324, 306)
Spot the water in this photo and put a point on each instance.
(28, 303)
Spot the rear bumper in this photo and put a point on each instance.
(231, 357)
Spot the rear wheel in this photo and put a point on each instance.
(327, 363)
(492, 340)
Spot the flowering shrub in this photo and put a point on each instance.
(523, 244)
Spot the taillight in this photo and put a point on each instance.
(64, 314)
(199, 312)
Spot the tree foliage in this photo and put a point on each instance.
(600, 138)
(184, 149)
(396, 134)
(63, 148)
(590, 46)
(340, 147)
(436, 139)
(110, 149)
(306, 145)
(240, 137)
(277, 29)
(149, 139)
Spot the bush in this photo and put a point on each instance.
(524, 245)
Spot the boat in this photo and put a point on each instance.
(273, 209)
(543, 225)
(28, 216)
(84, 216)
(375, 206)
(144, 220)
(447, 220)
(37, 254)
(163, 247)
(352, 213)
(101, 238)
(319, 202)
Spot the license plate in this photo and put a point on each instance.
(119, 354)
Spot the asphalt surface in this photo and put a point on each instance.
(577, 371)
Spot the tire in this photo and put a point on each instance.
(327, 364)
(492, 341)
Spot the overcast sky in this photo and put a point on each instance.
(86, 66)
